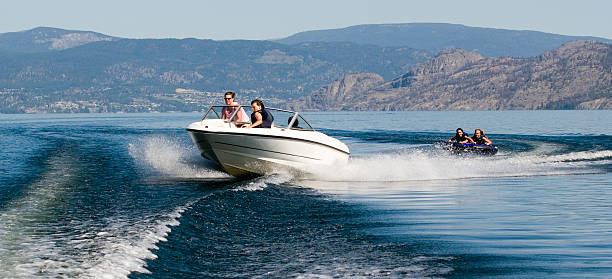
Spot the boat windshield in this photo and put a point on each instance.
(242, 115)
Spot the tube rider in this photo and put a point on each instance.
(480, 138)
(461, 137)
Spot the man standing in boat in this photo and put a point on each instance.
(231, 107)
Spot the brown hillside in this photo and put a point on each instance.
(577, 75)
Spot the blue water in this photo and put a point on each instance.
(128, 196)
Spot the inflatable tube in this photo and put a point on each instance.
(468, 148)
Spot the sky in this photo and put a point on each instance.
(272, 19)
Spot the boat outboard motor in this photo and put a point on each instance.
(295, 124)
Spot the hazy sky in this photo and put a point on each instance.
(233, 19)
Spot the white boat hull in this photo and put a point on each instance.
(245, 152)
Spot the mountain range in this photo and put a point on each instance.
(578, 75)
(145, 74)
(436, 37)
(44, 39)
(55, 70)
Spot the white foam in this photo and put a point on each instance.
(410, 165)
(172, 159)
(131, 243)
(32, 246)
(24, 250)
(579, 156)
(261, 183)
(120, 249)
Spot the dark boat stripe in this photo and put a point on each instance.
(269, 136)
(267, 150)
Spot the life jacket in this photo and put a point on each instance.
(479, 140)
(458, 139)
(266, 119)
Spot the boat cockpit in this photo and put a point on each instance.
(239, 116)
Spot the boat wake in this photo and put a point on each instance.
(177, 160)
(263, 182)
(124, 246)
(36, 242)
(173, 160)
(415, 164)
(25, 249)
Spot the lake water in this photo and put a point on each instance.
(128, 196)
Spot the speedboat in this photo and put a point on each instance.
(296, 146)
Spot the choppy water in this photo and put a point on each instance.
(118, 196)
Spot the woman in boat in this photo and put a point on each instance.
(461, 137)
(480, 138)
(261, 117)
